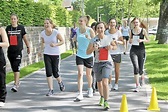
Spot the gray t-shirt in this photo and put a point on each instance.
(102, 43)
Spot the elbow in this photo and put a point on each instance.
(7, 44)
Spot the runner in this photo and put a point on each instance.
(102, 44)
(50, 37)
(3, 43)
(16, 35)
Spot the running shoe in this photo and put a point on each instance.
(50, 93)
(101, 102)
(62, 87)
(106, 105)
(90, 92)
(136, 89)
(79, 97)
(115, 87)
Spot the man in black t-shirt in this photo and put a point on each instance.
(16, 33)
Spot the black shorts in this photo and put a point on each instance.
(52, 65)
(116, 58)
(126, 38)
(88, 62)
(15, 60)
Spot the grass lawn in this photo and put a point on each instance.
(157, 67)
(33, 67)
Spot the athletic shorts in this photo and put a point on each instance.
(126, 38)
(116, 58)
(15, 60)
(88, 62)
(102, 70)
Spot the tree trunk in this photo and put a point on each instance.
(130, 4)
(162, 32)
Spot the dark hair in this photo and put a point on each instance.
(51, 22)
(13, 14)
(142, 25)
(100, 23)
(113, 19)
(93, 24)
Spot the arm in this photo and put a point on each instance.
(92, 34)
(41, 46)
(90, 49)
(4, 42)
(130, 40)
(112, 46)
(61, 41)
(146, 37)
(27, 43)
(120, 41)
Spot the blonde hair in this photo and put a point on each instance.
(51, 22)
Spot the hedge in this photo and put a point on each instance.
(33, 13)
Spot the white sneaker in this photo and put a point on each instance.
(2, 104)
(115, 87)
(110, 87)
(90, 92)
(136, 89)
(15, 87)
(79, 97)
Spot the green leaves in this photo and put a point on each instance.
(33, 13)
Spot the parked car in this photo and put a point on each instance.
(153, 31)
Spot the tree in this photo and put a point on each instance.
(162, 33)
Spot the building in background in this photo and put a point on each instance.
(67, 4)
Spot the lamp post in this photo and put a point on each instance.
(99, 7)
(101, 16)
(82, 7)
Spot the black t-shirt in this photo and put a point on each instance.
(15, 36)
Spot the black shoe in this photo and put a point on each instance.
(62, 87)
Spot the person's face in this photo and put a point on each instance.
(112, 23)
(100, 28)
(136, 22)
(47, 24)
(14, 20)
(82, 22)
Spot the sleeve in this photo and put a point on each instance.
(92, 40)
(119, 34)
(23, 31)
(41, 34)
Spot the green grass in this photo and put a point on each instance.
(157, 67)
(33, 67)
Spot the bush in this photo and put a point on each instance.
(33, 14)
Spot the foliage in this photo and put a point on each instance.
(120, 8)
(33, 13)
(157, 67)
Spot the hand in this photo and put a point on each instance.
(140, 40)
(96, 46)
(109, 47)
(28, 50)
(52, 45)
(130, 41)
(87, 36)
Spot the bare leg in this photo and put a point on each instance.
(80, 78)
(105, 88)
(89, 77)
(16, 78)
(50, 82)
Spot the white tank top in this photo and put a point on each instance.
(48, 40)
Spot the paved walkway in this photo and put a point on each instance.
(31, 95)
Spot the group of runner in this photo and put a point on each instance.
(98, 48)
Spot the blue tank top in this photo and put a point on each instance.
(83, 43)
